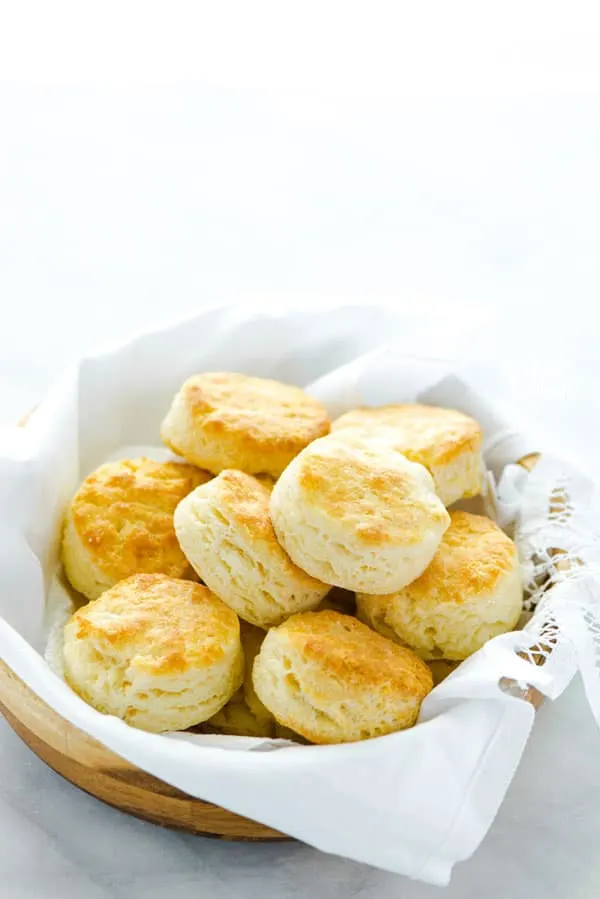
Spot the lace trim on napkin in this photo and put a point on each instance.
(557, 532)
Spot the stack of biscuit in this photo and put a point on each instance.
(289, 576)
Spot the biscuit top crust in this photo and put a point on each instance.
(162, 625)
(427, 434)
(262, 410)
(371, 489)
(473, 556)
(353, 655)
(123, 514)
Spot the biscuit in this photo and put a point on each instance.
(357, 515)
(162, 654)
(225, 420)
(333, 680)
(225, 530)
(471, 592)
(120, 522)
(445, 441)
(236, 720)
(245, 715)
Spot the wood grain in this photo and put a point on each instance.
(97, 770)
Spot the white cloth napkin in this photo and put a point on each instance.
(414, 802)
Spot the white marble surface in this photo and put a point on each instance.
(478, 218)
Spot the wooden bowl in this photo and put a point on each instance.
(97, 770)
(93, 768)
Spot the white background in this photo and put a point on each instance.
(443, 158)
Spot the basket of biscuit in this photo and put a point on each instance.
(265, 575)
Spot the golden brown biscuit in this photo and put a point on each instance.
(244, 715)
(225, 530)
(357, 515)
(120, 522)
(236, 720)
(222, 420)
(332, 680)
(160, 653)
(445, 441)
(471, 592)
